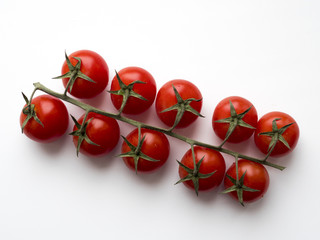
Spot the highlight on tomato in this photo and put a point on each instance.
(133, 90)
(249, 184)
(45, 119)
(277, 134)
(178, 103)
(203, 172)
(146, 151)
(85, 74)
(96, 136)
(234, 119)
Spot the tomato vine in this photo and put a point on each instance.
(138, 124)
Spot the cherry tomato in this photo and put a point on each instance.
(256, 177)
(147, 89)
(264, 133)
(246, 123)
(166, 98)
(155, 145)
(103, 131)
(212, 161)
(93, 66)
(53, 116)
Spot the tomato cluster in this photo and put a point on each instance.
(178, 104)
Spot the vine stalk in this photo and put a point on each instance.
(169, 132)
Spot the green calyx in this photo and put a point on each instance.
(30, 112)
(234, 120)
(181, 107)
(194, 175)
(136, 153)
(126, 91)
(81, 133)
(73, 74)
(239, 187)
(276, 135)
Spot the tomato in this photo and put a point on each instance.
(243, 120)
(93, 66)
(255, 178)
(145, 88)
(210, 161)
(53, 116)
(285, 129)
(167, 98)
(102, 134)
(155, 145)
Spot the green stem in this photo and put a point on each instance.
(87, 107)
(31, 97)
(237, 170)
(139, 146)
(269, 153)
(231, 128)
(195, 170)
(124, 101)
(84, 119)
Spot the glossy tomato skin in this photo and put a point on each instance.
(167, 98)
(92, 65)
(148, 90)
(155, 145)
(101, 130)
(213, 161)
(256, 177)
(222, 111)
(291, 135)
(54, 116)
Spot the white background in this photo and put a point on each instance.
(265, 51)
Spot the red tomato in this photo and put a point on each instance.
(147, 90)
(166, 98)
(256, 177)
(212, 161)
(54, 116)
(223, 111)
(290, 135)
(93, 66)
(155, 145)
(103, 131)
